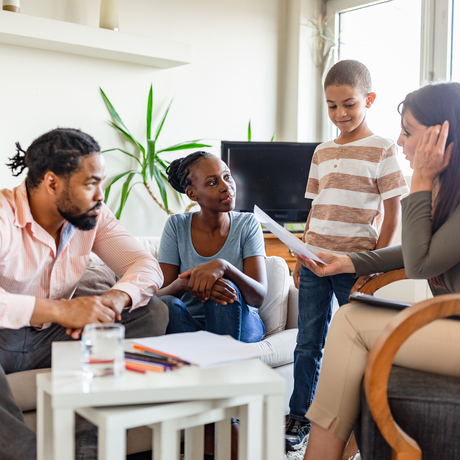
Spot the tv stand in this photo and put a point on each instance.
(275, 247)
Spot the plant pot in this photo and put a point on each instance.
(108, 18)
(11, 5)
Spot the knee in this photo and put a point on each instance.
(232, 284)
(149, 320)
(349, 319)
(173, 304)
(160, 313)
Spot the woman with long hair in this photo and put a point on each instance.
(430, 121)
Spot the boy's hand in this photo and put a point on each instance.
(296, 273)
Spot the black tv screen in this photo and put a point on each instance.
(272, 175)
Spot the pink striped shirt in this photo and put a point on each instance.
(30, 266)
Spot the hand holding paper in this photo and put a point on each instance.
(285, 236)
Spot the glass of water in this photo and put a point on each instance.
(102, 352)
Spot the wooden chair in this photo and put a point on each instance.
(382, 355)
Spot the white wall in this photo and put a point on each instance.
(233, 78)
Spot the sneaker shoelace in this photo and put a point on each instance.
(293, 426)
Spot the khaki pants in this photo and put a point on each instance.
(354, 329)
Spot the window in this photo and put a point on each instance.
(386, 38)
(455, 59)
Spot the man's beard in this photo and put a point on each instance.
(70, 213)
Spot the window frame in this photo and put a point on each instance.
(436, 34)
(435, 43)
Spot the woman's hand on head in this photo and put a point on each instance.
(203, 277)
(335, 264)
(431, 157)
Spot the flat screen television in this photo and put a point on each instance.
(272, 175)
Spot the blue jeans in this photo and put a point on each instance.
(315, 310)
(236, 319)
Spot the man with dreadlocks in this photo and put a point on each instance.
(48, 227)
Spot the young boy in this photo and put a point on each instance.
(356, 184)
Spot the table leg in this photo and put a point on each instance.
(44, 426)
(64, 434)
(274, 427)
(111, 444)
(251, 430)
(166, 439)
(194, 443)
(223, 439)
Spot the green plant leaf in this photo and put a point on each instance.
(125, 190)
(273, 137)
(126, 153)
(160, 126)
(149, 113)
(115, 179)
(249, 131)
(184, 146)
(112, 110)
(151, 156)
(161, 187)
(128, 135)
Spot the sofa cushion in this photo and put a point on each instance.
(282, 345)
(151, 243)
(274, 309)
(96, 280)
(24, 388)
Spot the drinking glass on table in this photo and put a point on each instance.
(102, 352)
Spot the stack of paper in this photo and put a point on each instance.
(202, 348)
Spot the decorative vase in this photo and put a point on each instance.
(11, 5)
(109, 14)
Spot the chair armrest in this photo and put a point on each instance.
(374, 284)
(380, 360)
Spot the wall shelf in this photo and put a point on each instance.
(65, 37)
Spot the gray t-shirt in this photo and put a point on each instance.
(422, 254)
(245, 239)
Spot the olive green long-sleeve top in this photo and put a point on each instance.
(424, 255)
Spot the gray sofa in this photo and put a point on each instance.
(278, 312)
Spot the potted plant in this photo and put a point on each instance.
(149, 164)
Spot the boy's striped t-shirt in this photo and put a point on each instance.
(348, 184)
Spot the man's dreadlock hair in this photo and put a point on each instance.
(59, 151)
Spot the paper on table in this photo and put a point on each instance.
(284, 235)
(203, 348)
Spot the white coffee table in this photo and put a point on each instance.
(63, 390)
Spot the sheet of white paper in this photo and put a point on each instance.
(203, 348)
(284, 235)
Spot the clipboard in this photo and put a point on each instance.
(378, 301)
(384, 303)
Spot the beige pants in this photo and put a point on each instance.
(354, 329)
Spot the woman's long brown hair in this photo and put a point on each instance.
(432, 105)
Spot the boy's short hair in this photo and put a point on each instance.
(349, 72)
